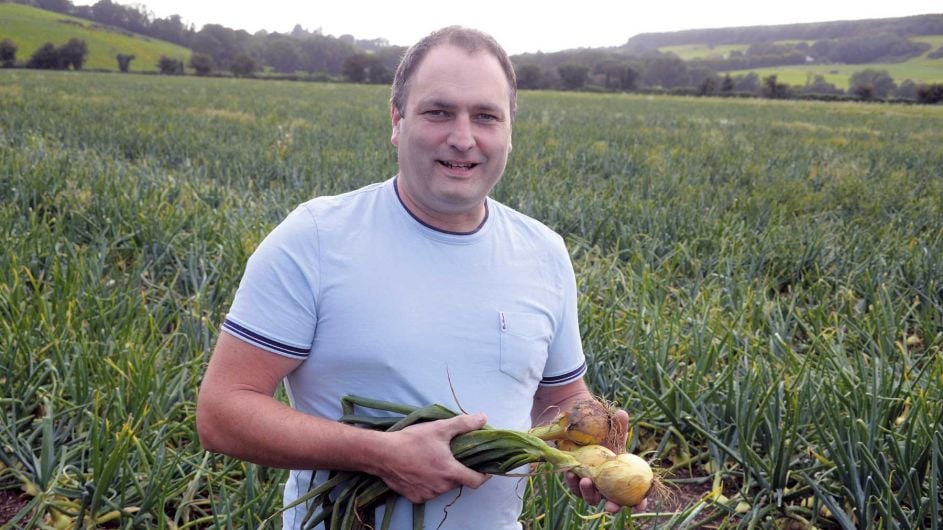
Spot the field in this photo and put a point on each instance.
(761, 288)
(29, 28)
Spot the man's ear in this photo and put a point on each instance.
(395, 118)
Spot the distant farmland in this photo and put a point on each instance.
(918, 69)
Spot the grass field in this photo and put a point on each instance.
(29, 28)
(761, 288)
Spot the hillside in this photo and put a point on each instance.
(914, 26)
(906, 47)
(29, 28)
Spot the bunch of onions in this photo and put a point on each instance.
(347, 500)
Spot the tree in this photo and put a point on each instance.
(7, 53)
(727, 84)
(124, 61)
(46, 57)
(201, 63)
(617, 75)
(772, 88)
(243, 65)
(221, 43)
(169, 65)
(366, 67)
(573, 75)
(59, 6)
(355, 68)
(704, 79)
(73, 54)
(818, 85)
(529, 76)
(871, 83)
(930, 93)
(749, 83)
(666, 72)
(281, 53)
(907, 89)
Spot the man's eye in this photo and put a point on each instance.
(436, 113)
(487, 117)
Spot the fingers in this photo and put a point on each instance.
(424, 467)
(585, 489)
(621, 420)
(588, 492)
(459, 425)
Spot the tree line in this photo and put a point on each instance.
(303, 54)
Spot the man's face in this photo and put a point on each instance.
(454, 137)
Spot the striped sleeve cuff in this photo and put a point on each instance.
(264, 342)
(563, 379)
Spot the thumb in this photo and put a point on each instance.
(464, 423)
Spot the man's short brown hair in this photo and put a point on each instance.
(470, 40)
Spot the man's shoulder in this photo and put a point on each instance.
(523, 224)
(339, 210)
(351, 199)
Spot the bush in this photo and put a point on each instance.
(45, 58)
(73, 54)
(7, 53)
(169, 65)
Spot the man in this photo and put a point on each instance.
(407, 291)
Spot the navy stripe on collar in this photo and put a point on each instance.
(430, 227)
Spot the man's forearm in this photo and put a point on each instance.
(257, 428)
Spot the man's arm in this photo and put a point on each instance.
(548, 401)
(237, 415)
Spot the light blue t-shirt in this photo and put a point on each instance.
(381, 305)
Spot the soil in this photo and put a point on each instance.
(11, 502)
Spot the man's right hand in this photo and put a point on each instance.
(419, 464)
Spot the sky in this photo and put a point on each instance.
(521, 26)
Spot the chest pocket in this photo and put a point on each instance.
(525, 341)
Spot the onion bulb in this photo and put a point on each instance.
(625, 479)
(586, 422)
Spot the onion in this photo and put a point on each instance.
(586, 422)
(625, 479)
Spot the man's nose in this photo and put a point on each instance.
(462, 137)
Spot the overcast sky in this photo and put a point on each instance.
(522, 25)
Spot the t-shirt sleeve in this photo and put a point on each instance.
(566, 362)
(275, 307)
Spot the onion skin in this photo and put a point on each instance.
(592, 455)
(625, 479)
(585, 422)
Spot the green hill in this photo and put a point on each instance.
(30, 27)
(920, 69)
(906, 47)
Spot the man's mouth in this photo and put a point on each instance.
(457, 165)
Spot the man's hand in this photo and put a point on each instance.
(420, 466)
(584, 487)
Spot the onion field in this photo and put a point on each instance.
(761, 289)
